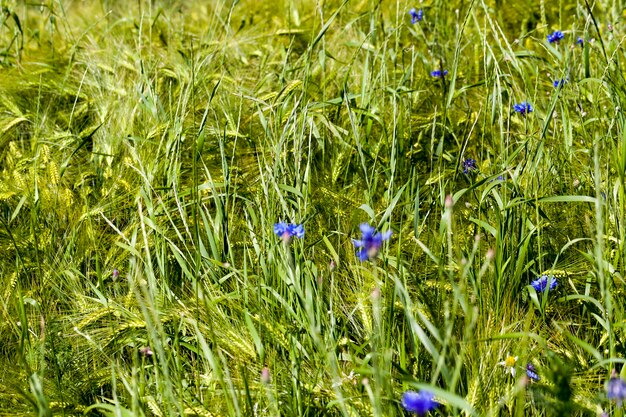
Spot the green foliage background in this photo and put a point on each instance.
(163, 139)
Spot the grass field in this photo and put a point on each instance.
(157, 158)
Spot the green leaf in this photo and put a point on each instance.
(567, 199)
(110, 410)
(258, 343)
(489, 228)
(387, 213)
(369, 211)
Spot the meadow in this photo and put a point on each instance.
(312, 208)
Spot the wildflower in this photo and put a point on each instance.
(287, 231)
(352, 377)
(523, 108)
(146, 351)
(558, 83)
(416, 15)
(616, 388)
(438, 73)
(370, 242)
(469, 165)
(418, 402)
(580, 41)
(265, 375)
(449, 202)
(531, 372)
(115, 274)
(376, 294)
(555, 36)
(509, 364)
(543, 282)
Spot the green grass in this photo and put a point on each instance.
(164, 139)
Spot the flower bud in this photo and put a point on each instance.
(265, 375)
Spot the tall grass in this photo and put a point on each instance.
(148, 148)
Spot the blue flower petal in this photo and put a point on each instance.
(296, 230)
(523, 108)
(531, 373)
(280, 228)
(543, 282)
(370, 242)
(366, 229)
(284, 230)
(616, 389)
(416, 15)
(418, 402)
(362, 254)
(555, 36)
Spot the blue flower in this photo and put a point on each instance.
(531, 372)
(416, 15)
(555, 36)
(561, 82)
(543, 282)
(523, 108)
(418, 402)
(469, 165)
(370, 242)
(616, 388)
(296, 230)
(287, 231)
(438, 73)
(580, 41)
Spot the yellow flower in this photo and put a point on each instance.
(509, 364)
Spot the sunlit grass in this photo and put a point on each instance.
(149, 148)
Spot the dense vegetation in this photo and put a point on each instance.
(148, 148)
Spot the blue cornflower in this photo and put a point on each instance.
(523, 108)
(561, 82)
(416, 15)
(543, 282)
(616, 388)
(370, 242)
(418, 402)
(469, 165)
(438, 73)
(287, 231)
(580, 41)
(531, 372)
(555, 36)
